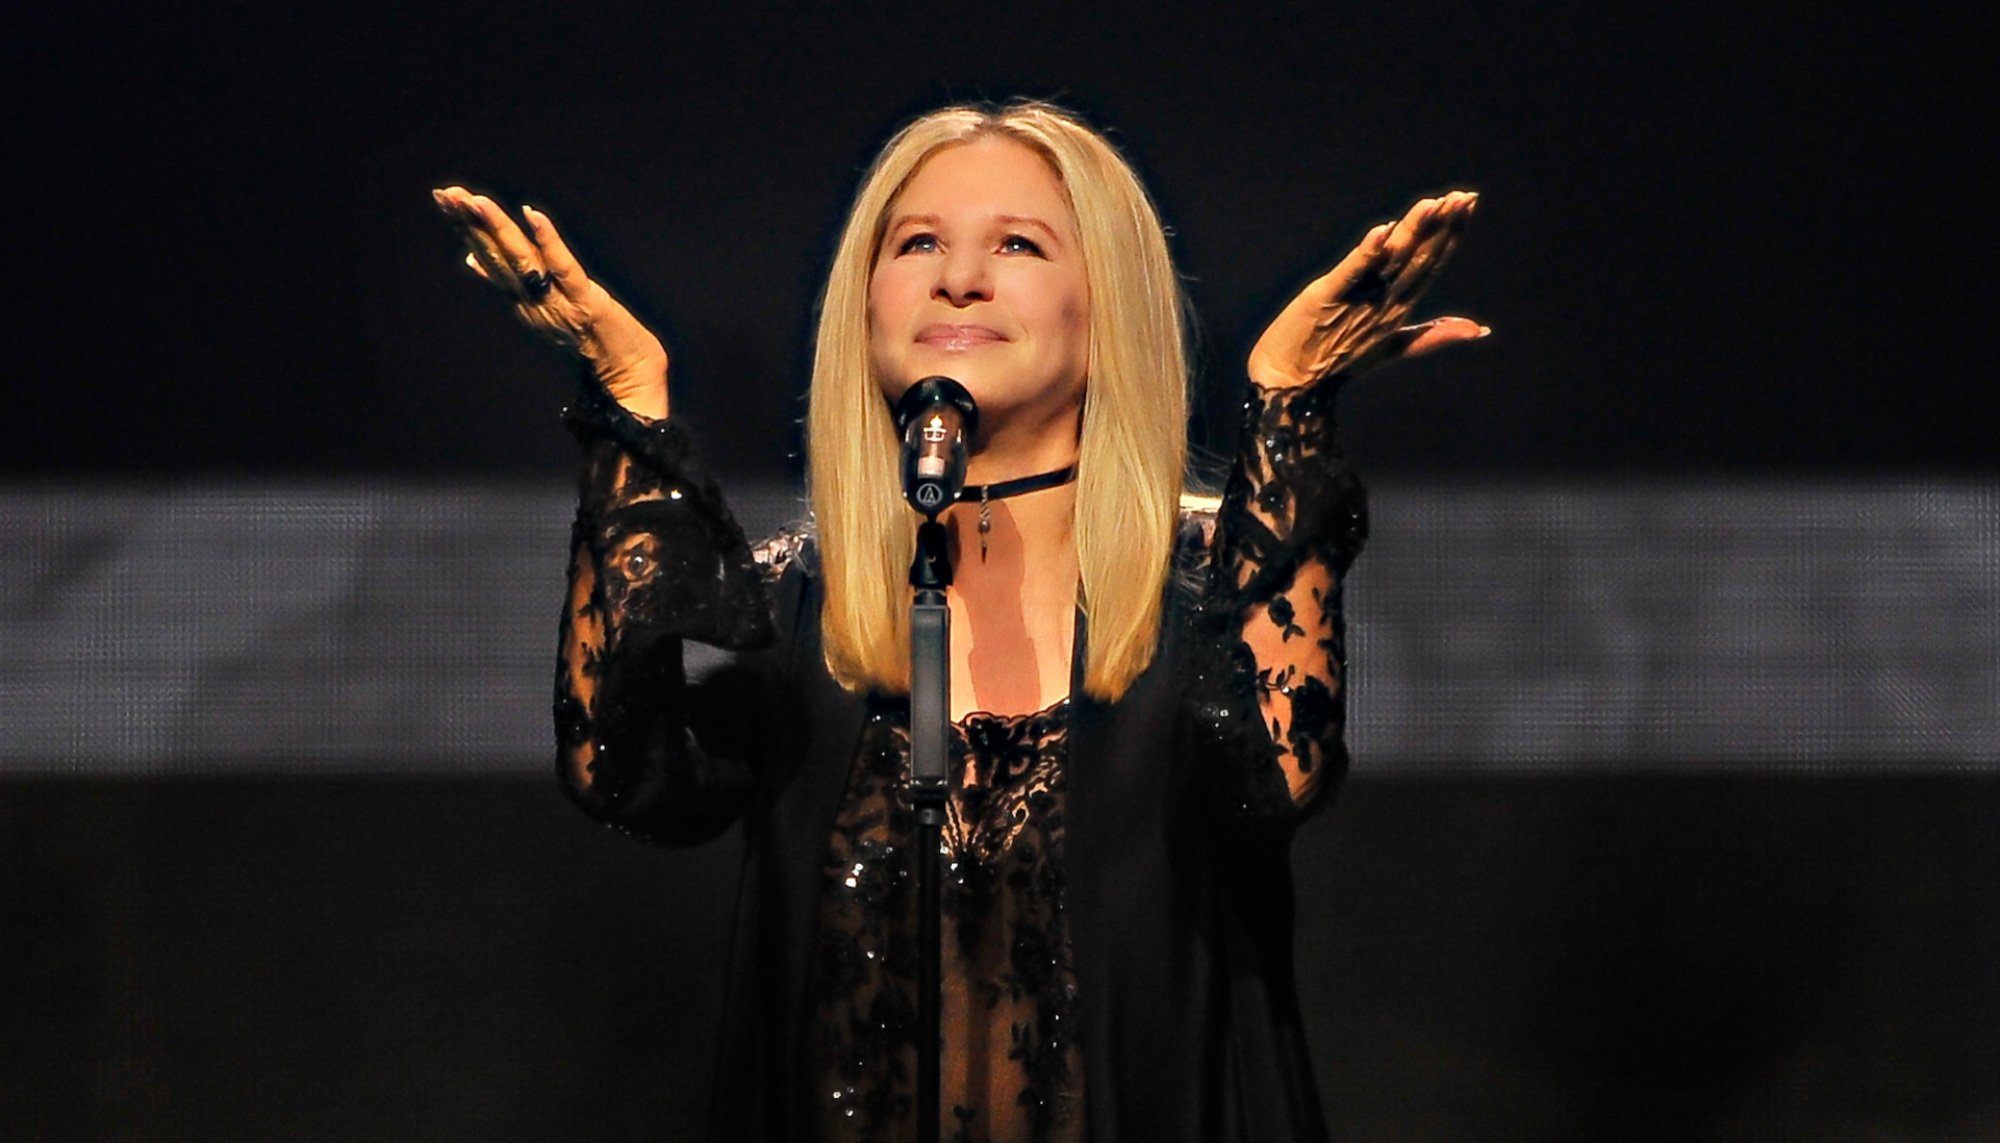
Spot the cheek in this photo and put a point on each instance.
(888, 309)
(889, 292)
(881, 342)
(1076, 322)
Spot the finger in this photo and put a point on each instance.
(1414, 340)
(456, 203)
(492, 260)
(560, 264)
(516, 247)
(1423, 266)
(1446, 229)
(488, 257)
(1427, 216)
(1437, 333)
(481, 254)
(1431, 222)
(1415, 223)
(1360, 277)
(505, 250)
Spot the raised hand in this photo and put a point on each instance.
(555, 298)
(1350, 319)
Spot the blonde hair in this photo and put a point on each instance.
(1133, 445)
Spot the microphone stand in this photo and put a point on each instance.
(935, 417)
(930, 743)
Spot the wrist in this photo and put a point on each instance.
(629, 361)
(645, 402)
(1271, 381)
(1267, 373)
(639, 385)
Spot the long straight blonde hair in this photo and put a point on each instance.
(1133, 446)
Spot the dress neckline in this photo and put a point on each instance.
(989, 718)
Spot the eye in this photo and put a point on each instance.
(637, 566)
(918, 244)
(1019, 244)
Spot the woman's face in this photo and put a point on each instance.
(980, 279)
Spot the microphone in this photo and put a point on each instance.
(935, 416)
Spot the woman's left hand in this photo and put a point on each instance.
(1350, 319)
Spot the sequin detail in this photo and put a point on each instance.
(655, 558)
(1012, 1067)
(1269, 666)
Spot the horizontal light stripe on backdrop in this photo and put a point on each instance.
(1576, 626)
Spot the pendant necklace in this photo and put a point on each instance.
(986, 494)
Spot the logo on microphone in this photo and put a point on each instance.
(929, 496)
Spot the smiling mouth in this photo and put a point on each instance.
(958, 337)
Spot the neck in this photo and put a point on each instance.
(1011, 451)
(1013, 609)
(1028, 535)
(1003, 489)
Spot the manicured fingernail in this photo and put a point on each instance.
(1485, 331)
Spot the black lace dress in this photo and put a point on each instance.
(652, 563)
(1009, 1003)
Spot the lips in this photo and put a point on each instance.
(953, 337)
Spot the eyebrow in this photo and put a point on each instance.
(1027, 220)
(902, 220)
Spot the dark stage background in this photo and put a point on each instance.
(1675, 693)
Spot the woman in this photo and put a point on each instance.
(1146, 698)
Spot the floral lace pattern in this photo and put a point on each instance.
(1293, 517)
(1013, 1068)
(656, 558)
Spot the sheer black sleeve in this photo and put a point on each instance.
(1292, 518)
(655, 558)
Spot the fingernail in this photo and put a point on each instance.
(530, 213)
(1485, 331)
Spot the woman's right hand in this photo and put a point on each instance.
(555, 298)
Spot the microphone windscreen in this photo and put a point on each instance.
(935, 416)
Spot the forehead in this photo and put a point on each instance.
(992, 175)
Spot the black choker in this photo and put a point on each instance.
(986, 494)
(1002, 489)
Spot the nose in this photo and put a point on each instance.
(963, 278)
